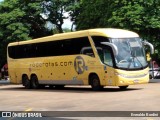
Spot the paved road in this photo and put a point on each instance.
(144, 97)
(137, 97)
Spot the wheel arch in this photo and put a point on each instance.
(24, 74)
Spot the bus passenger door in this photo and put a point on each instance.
(106, 57)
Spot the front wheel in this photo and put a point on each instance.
(150, 77)
(34, 82)
(95, 83)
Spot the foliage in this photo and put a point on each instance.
(23, 20)
(20, 20)
(56, 11)
(74, 9)
(140, 16)
(92, 14)
(137, 15)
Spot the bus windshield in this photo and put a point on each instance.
(131, 54)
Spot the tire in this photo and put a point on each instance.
(95, 83)
(34, 82)
(150, 77)
(59, 86)
(26, 82)
(41, 86)
(51, 86)
(123, 87)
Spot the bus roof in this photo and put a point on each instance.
(113, 33)
(108, 32)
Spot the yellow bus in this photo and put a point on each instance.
(96, 57)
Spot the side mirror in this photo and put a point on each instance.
(150, 45)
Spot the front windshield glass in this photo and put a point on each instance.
(131, 54)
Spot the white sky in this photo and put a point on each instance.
(67, 22)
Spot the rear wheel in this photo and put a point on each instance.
(123, 87)
(34, 82)
(26, 82)
(95, 83)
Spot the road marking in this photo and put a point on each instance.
(29, 109)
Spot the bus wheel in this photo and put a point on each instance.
(123, 87)
(95, 83)
(59, 86)
(26, 82)
(150, 76)
(41, 86)
(34, 82)
(51, 86)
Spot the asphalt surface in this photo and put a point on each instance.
(144, 97)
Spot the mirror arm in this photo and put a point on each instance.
(113, 46)
(150, 45)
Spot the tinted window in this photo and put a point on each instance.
(98, 39)
(51, 48)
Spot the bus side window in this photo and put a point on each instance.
(108, 58)
(87, 51)
(101, 55)
(105, 56)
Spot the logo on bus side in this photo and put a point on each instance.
(79, 64)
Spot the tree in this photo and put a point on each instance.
(74, 9)
(92, 14)
(11, 29)
(20, 20)
(23, 20)
(141, 16)
(55, 10)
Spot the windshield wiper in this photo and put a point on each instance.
(133, 60)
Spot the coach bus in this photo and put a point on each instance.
(96, 57)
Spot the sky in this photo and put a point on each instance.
(67, 22)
